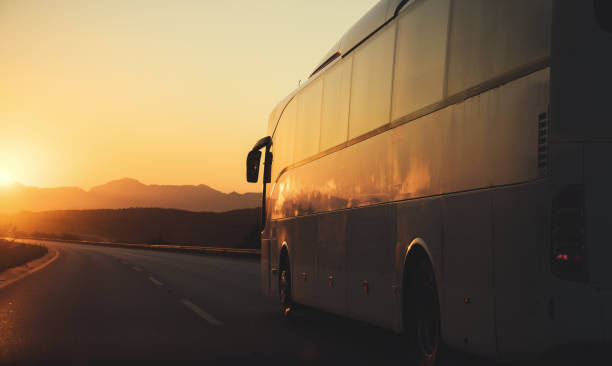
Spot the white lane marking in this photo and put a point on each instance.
(137, 269)
(33, 270)
(158, 283)
(196, 309)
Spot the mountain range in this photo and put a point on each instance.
(123, 193)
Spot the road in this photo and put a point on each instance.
(99, 304)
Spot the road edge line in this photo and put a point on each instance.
(31, 271)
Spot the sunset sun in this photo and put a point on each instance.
(6, 178)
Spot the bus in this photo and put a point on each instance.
(442, 172)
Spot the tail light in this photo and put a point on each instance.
(568, 234)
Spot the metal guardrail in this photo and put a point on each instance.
(167, 247)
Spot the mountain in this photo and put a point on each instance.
(123, 193)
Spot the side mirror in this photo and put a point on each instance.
(253, 161)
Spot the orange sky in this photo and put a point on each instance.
(167, 92)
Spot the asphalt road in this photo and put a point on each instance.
(115, 305)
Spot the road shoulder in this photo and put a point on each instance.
(15, 274)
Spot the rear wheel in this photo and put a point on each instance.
(422, 310)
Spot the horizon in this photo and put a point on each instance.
(161, 92)
(88, 189)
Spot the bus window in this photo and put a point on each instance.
(420, 56)
(336, 93)
(283, 140)
(308, 120)
(371, 83)
(490, 38)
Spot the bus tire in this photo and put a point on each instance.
(284, 286)
(422, 309)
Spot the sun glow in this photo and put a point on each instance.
(6, 178)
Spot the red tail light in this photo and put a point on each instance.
(568, 234)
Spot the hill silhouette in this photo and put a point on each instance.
(232, 229)
(123, 193)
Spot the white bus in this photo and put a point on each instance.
(443, 172)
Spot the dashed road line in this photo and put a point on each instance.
(206, 316)
(137, 269)
(158, 283)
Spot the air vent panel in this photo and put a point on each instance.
(543, 144)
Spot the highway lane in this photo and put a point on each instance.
(99, 304)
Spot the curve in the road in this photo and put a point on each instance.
(37, 267)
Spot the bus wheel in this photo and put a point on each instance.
(423, 310)
(284, 290)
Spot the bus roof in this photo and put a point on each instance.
(369, 23)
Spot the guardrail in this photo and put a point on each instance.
(197, 249)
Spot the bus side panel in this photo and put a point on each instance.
(607, 316)
(303, 246)
(598, 196)
(598, 199)
(265, 265)
(331, 262)
(370, 243)
(522, 269)
(577, 312)
(468, 272)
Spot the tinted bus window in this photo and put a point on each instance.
(371, 83)
(336, 94)
(489, 38)
(308, 121)
(283, 140)
(420, 56)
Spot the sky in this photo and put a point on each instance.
(163, 91)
